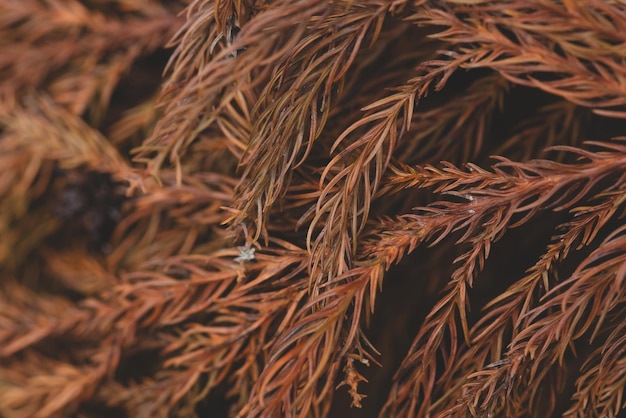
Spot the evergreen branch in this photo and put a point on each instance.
(305, 359)
(505, 315)
(26, 319)
(140, 288)
(76, 54)
(266, 40)
(187, 289)
(295, 105)
(602, 272)
(482, 226)
(170, 220)
(48, 131)
(543, 39)
(550, 331)
(346, 210)
(38, 386)
(210, 28)
(601, 385)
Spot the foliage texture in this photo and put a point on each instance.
(200, 199)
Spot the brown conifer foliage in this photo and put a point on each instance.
(199, 201)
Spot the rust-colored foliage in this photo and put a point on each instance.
(199, 201)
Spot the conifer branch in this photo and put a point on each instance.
(198, 210)
(601, 386)
(521, 46)
(77, 55)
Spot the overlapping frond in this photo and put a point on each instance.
(77, 54)
(242, 208)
